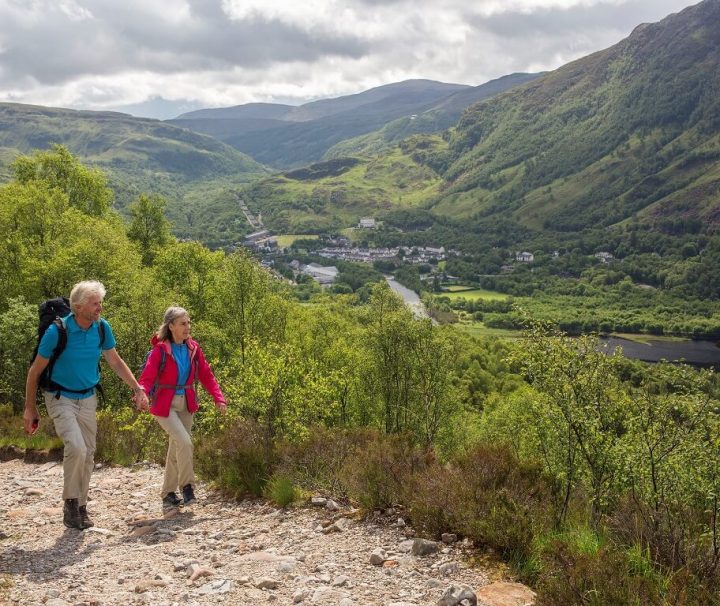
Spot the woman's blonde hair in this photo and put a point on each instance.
(82, 291)
(171, 314)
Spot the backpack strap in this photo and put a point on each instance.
(59, 347)
(184, 385)
(101, 332)
(57, 352)
(161, 367)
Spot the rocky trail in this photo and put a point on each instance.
(217, 551)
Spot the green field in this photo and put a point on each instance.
(474, 294)
(478, 329)
(286, 240)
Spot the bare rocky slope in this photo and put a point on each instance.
(218, 551)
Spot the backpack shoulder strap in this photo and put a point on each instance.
(62, 337)
(101, 332)
(59, 346)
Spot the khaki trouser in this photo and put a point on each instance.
(179, 461)
(76, 424)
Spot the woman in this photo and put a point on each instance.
(173, 367)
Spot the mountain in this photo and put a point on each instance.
(440, 116)
(628, 133)
(285, 137)
(138, 154)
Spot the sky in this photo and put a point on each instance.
(160, 58)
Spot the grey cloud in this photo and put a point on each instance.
(557, 22)
(58, 49)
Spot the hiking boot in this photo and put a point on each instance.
(171, 500)
(84, 518)
(188, 495)
(71, 514)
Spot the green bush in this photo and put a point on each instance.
(125, 437)
(281, 490)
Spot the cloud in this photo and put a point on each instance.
(56, 43)
(105, 53)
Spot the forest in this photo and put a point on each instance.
(595, 478)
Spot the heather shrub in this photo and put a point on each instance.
(602, 577)
(317, 462)
(376, 472)
(235, 457)
(487, 495)
(125, 437)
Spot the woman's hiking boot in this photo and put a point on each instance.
(171, 500)
(71, 514)
(188, 495)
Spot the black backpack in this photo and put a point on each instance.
(51, 312)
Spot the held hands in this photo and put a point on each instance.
(141, 400)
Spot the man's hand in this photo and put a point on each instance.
(31, 420)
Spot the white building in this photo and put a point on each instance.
(604, 256)
(524, 257)
(320, 273)
(367, 223)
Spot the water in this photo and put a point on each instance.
(696, 353)
(411, 298)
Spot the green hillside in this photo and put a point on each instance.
(440, 116)
(301, 135)
(138, 155)
(336, 193)
(632, 131)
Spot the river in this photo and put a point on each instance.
(696, 353)
(411, 298)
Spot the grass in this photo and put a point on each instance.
(475, 294)
(645, 338)
(36, 442)
(287, 239)
(478, 329)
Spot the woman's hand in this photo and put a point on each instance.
(222, 407)
(141, 400)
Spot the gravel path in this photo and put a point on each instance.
(218, 551)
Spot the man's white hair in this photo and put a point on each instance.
(82, 291)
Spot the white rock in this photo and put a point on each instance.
(378, 556)
(301, 595)
(216, 587)
(267, 583)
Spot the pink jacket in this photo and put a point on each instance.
(160, 402)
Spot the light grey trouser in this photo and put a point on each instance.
(76, 424)
(179, 469)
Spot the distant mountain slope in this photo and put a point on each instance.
(633, 130)
(439, 116)
(305, 133)
(335, 194)
(258, 111)
(139, 154)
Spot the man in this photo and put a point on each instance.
(72, 407)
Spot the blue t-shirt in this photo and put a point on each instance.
(182, 359)
(77, 366)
